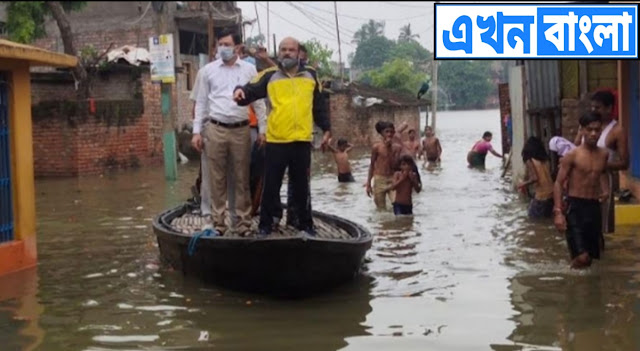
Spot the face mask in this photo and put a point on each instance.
(289, 63)
(226, 53)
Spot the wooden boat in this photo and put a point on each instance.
(285, 263)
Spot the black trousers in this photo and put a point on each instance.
(297, 157)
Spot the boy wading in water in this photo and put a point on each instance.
(383, 156)
(583, 167)
(413, 144)
(431, 147)
(341, 157)
(405, 181)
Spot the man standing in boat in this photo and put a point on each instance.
(296, 103)
(222, 127)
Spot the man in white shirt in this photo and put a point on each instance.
(205, 189)
(221, 128)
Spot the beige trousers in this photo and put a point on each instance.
(379, 193)
(229, 149)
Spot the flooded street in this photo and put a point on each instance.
(468, 272)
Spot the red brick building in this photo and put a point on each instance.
(122, 127)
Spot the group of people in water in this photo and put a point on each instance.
(581, 198)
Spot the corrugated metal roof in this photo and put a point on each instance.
(543, 83)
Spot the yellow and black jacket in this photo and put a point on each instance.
(296, 103)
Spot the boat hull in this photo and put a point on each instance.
(281, 265)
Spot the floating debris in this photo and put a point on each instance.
(125, 338)
(204, 336)
(94, 275)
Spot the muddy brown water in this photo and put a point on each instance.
(468, 272)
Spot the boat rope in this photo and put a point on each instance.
(194, 239)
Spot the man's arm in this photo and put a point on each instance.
(566, 163)
(532, 175)
(398, 177)
(495, 153)
(320, 113)
(254, 90)
(202, 99)
(622, 145)
(439, 147)
(578, 139)
(374, 158)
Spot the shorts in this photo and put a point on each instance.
(345, 178)
(400, 209)
(541, 208)
(584, 227)
(476, 159)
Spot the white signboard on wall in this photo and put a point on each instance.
(162, 60)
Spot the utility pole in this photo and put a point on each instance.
(161, 11)
(434, 93)
(210, 34)
(268, 28)
(434, 86)
(335, 8)
(255, 6)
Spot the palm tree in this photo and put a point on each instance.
(405, 33)
(369, 30)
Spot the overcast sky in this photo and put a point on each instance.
(314, 19)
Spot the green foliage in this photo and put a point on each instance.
(369, 30)
(406, 34)
(373, 53)
(467, 82)
(411, 50)
(398, 75)
(26, 19)
(320, 57)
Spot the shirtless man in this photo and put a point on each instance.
(614, 139)
(341, 156)
(431, 148)
(583, 167)
(384, 155)
(413, 145)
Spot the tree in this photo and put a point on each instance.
(467, 82)
(398, 75)
(26, 21)
(320, 57)
(406, 34)
(369, 30)
(411, 50)
(373, 53)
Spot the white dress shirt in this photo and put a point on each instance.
(214, 95)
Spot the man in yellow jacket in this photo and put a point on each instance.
(296, 103)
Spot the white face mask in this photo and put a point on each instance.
(226, 53)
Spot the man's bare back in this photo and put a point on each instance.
(342, 161)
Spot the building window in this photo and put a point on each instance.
(3, 30)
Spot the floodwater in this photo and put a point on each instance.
(467, 272)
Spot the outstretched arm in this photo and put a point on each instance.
(565, 168)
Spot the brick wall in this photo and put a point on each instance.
(357, 124)
(572, 109)
(66, 146)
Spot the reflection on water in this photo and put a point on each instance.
(468, 272)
